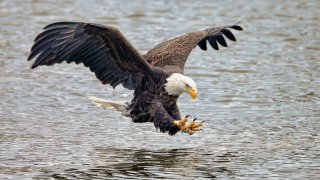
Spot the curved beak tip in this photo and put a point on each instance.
(193, 93)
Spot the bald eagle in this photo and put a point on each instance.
(156, 77)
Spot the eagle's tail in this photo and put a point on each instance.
(106, 104)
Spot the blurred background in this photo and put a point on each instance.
(260, 96)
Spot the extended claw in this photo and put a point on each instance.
(188, 116)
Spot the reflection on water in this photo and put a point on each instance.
(171, 163)
(260, 96)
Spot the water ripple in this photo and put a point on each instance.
(259, 97)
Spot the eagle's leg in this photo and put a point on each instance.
(188, 127)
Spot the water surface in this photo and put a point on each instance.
(260, 96)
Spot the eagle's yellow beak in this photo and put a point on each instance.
(192, 92)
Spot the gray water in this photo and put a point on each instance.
(260, 96)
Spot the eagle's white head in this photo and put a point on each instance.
(178, 83)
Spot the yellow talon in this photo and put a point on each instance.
(188, 127)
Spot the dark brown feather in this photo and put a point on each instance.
(177, 50)
(101, 48)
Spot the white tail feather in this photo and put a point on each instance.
(106, 104)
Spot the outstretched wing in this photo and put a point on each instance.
(176, 51)
(101, 48)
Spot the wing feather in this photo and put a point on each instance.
(202, 44)
(228, 34)
(176, 51)
(213, 43)
(103, 49)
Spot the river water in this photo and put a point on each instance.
(260, 96)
